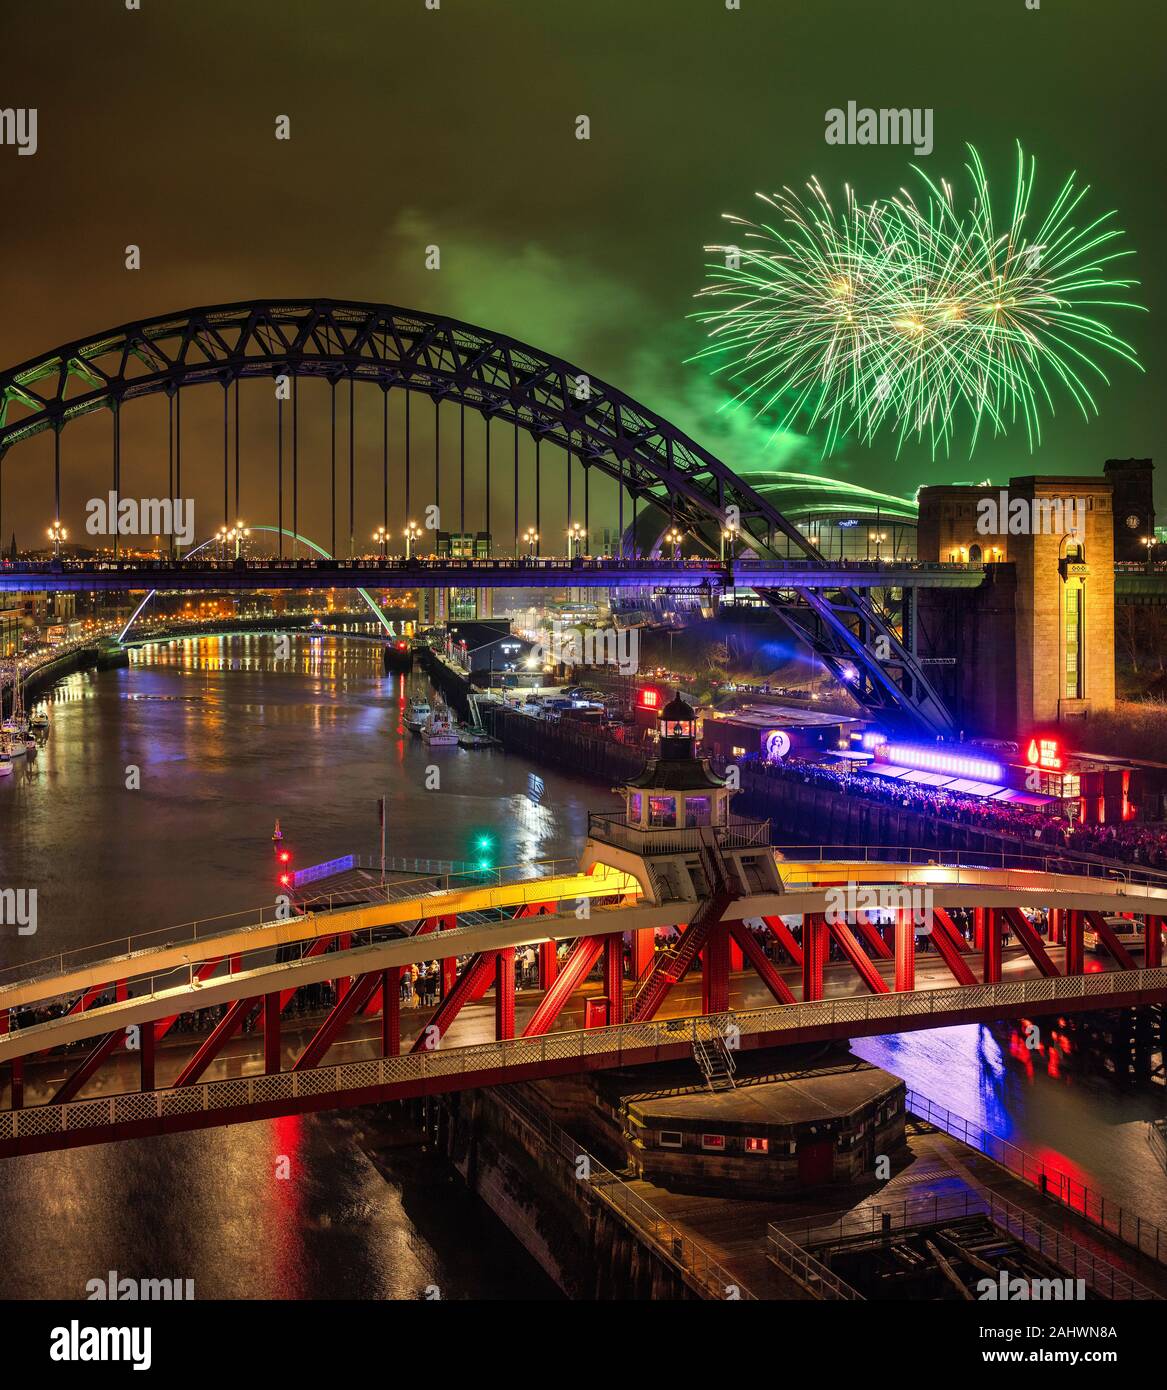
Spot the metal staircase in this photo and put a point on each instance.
(671, 966)
(716, 1062)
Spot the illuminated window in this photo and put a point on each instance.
(1073, 647)
(634, 801)
(662, 810)
(757, 1146)
(696, 810)
(713, 1141)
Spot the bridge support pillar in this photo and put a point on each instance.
(643, 950)
(391, 1011)
(340, 987)
(271, 1033)
(548, 964)
(979, 914)
(1056, 928)
(1153, 950)
(16, 1072)
(504, 994)
(1075, 947)
(614, 977)
(715, 971)
(449, 965)
(146, 1057)
(991, 937)
(814, 955)
(737, 962)
(905, 930)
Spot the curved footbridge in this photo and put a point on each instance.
(307, 1010)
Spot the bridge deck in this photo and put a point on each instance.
(534, 573)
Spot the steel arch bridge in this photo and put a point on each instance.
(652, 463)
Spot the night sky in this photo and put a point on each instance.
(457, 127)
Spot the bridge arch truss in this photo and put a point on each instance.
(653, 463)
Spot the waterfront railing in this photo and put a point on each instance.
(677, 1245)
(875, 1219)
(1101, 1211)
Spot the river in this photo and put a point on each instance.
(226, 736)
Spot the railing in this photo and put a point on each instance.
(796, 1261)
(678, 1247)
(647, 566)
(118, 949)
(663, 1039)
(396, 864)
(1094, 1270)
(1065, 862)
(1107, 1215)
(738, 833)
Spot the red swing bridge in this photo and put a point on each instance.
(99, 1044)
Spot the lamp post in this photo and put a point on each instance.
(237, 535)
(531, 540)
(412, 533)
(878, 537)
(1149, 542)
(574, 539)
(673, 537)
(381, 536)
(57, 534)
(728, 538)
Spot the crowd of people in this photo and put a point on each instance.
(1131, 841)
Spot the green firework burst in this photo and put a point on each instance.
(911, 317)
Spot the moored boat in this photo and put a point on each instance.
(417, 714)
(439, 730)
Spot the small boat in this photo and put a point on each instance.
(39, 722)
(417, 714)
(13, 742)
(439, 731)
(5, 761)
(474, 738)
(397, 657)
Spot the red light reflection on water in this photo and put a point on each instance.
(286, 1223)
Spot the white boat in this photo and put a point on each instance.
(39, 722)
(5, 762)
(417, 714)
(439, 731)
(15, 744)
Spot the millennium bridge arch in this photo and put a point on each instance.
(370, 602)
(600, 430)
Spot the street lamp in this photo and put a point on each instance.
(674, 537)
(57, 534)
(1149, 542)
(412, 533)
(531, 540)
(878, 537)
(381, 536)
(236, 535)
(728, 537)
(575, 533)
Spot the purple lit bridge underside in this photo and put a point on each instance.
(85, 576)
